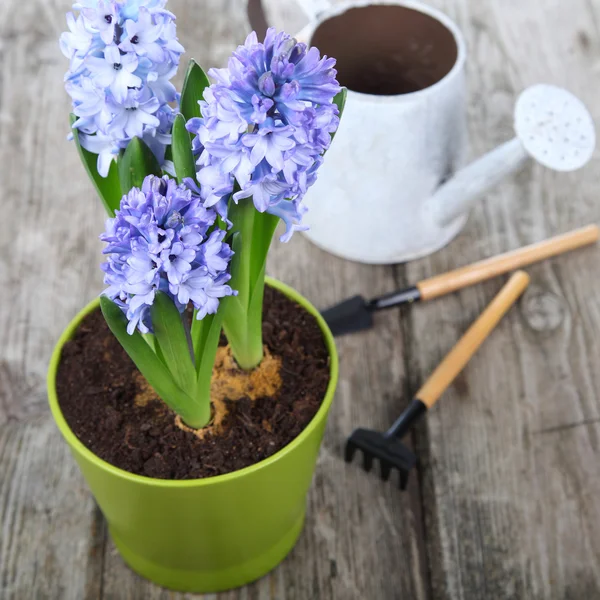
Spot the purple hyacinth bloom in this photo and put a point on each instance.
(114, 71)
(157, 139)
(159, 81)
(103, 18)
(203, 290)
(266, 122)
(170, 42)
(177, 261)
(123, 55)
(162, 239)
(269, 142)
(90, 106)
(102, 145)
(133, 115)
(263, 192)
(75, 43)
(290, 212)
(143, 37)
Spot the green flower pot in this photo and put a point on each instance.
(212, 534)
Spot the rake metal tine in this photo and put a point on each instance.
(386, 469)
(349, 451)
(367, 461)
(404, 478)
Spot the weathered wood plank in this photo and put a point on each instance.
(510, 456)
(51, 533)
(51, 537)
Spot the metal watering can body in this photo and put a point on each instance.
(392, 188)
(383, 203)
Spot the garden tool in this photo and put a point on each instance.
(356, 313)
(387, 447)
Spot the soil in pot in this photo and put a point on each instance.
(111, 409)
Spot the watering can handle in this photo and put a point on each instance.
(313, 8)
(259, 22)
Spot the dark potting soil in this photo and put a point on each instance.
(97, 386)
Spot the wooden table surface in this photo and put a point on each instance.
(506, 500)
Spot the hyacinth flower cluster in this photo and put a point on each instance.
(265, 125)
(164, 254)
(123, 55)
(191, 234)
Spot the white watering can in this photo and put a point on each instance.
(391, 188)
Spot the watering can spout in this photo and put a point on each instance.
(552, 126)
(456, 196)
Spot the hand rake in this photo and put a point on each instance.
(387, 447)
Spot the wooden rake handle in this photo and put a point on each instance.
(503, 263)
(460, 355)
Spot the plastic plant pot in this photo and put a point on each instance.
(212, 534)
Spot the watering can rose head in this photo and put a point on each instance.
(162, 239)
(123, 54)
(265, 125)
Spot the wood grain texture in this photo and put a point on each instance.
(510, 455)
(505, 502)
(509, 459)
(51, 537)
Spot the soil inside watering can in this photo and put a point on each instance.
(112, 410)
(387, 50)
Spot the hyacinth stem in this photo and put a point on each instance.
(242, 319)
(201, 417)
(205, 336)
(247, 342)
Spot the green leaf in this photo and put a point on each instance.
(232, 308)
(202, 332)
(109, 187)
(171, 336)
(151, 341)
(205, 337)
(183, 157)
(194, 85)
(340, 102)
(149, 365)
(242, 217)
(235, 241)
(254, 318)
(137, 162)
(262, 236)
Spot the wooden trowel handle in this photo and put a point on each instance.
(503, 263)
(459, 356)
